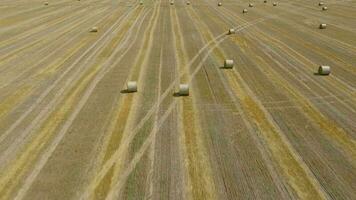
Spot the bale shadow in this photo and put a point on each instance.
(125, 91)
(223, 67)
(318, 74)
(176, 94)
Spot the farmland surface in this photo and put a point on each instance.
(269, 128)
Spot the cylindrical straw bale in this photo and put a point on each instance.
(228, 63)
(94, 29)
(183, 89)
(322, 26)
(132, 86)
(324, 70)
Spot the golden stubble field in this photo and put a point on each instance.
(269, 128)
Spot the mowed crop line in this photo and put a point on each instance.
(271, 170)
(305, 142)
(34, 70)
(274, 58)
(42, 161)
(44, 111)
(316, 34)
(150, 176)
(345, 141)
(310, 62)
(271, 38)
(59, 30)
(316, 13)
(23, 15)
(319, 36)
(114, 193)
(37, 45)
(112, 160)
(32, 36)
(33, 33)
(322, 120)
(143, 121)
(120, 109)
(218, 55)
(281, 45)
(266, 155)
(336, 139)
(325, 55)
(91, 49)
(112, 125)
(181, 63)
(251, 105)
(118, 186)
(336, 98)
(152, 155)
(305, 76)
(198, 24)
(53, 48)
(57, 6)
(38, 60)
(121, 113)
(165, 139)
(202, 179)
(31, 9)
(34, 21)
(139, 72)
(8, 104)
(12, 101)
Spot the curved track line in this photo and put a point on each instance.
(59, 95)
(217, 41)
(44, 158)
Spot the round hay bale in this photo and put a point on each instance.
(141, 2)
(324, 70)
(250, 5)
(321, 3)
(188, 3)
(219, 4)
(274, 3)
(183, 90)
(265, 1)
(322, 26)
(46, 3)
(324, 8)
(131, 86)
(228, 64)
(172, 3)
(94, 29)
(244, 10)
(231, 31)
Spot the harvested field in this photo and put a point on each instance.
(91, 105)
